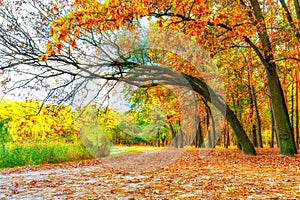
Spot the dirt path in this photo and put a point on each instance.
(170, 174)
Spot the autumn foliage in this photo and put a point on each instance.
(30, 120)
(222, 28)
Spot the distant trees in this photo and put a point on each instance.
(23, 122)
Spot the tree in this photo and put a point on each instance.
(161, 102)
(286, 137)
(60, 60)
(228, 23)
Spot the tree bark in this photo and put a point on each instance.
(227, 138)
(207, 93)
(181, 136)
(174, 136)
(297, 106)
(214, 140)
(292, 110)
(209, 133)
(255, 107)
(254, 138)
(226, 135)
(199, 136)
(284, 128)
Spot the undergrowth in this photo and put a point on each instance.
(13, 154)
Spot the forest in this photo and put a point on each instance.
(88, 79)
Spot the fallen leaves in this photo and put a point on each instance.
(222, 174)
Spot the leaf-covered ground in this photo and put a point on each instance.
(165, 174)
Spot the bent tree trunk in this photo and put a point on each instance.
(207, 93)
(200, 87)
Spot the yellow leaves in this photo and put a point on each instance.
(50, 49)
(27, 123)
(151, 54)
(43, 57)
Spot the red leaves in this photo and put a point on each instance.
(59, 47)
(63, 36)
(73, 44)
(33, 182)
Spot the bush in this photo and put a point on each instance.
(4, 133)
(98, 147)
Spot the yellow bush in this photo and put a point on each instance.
(32, 121)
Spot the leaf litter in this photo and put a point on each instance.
(164, 174)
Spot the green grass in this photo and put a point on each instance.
(12, 155)
(32, 154)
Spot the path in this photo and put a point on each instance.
(217, 174)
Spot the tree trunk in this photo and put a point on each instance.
(254, 138)
(284, 127)
(163, 141)
(207, 93)
(199, 136)
(283, 124)
(273, 124)
(158, 139)
(257, 116)
(211, 133)
(181, 136)
(214, 140)
(253, 129)
(208, 136)
(227, 138)
(292, 101)
(174, 135)
(297, 106)
(272, 136)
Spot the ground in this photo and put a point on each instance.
(161, 174)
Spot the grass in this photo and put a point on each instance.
(32, 154)
(12, 154)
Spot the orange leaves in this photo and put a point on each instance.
(50, 49)
(220, 174)
(216, 21)
(73, 44)
(62, 36)
(59, 47)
